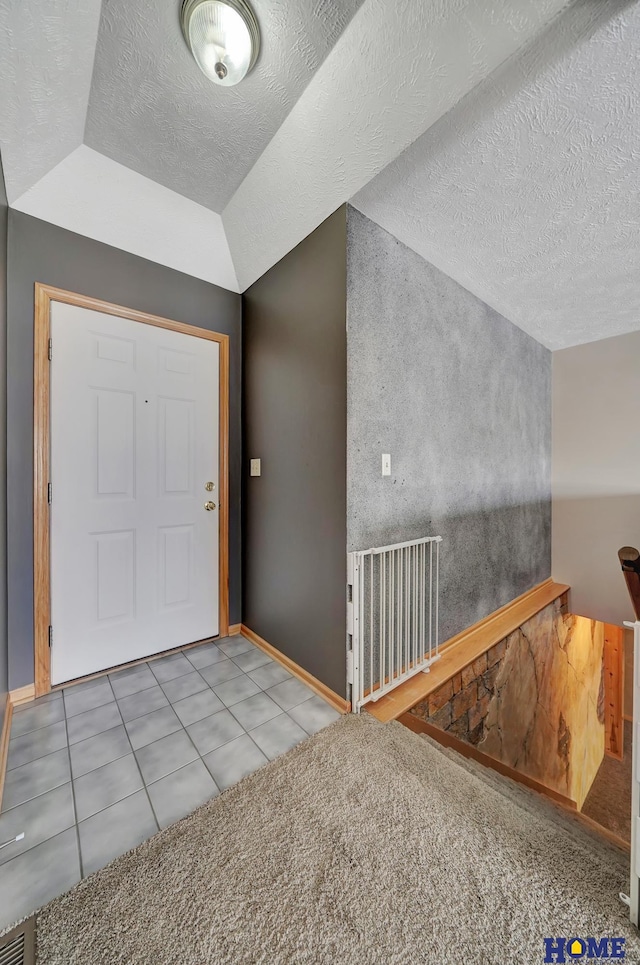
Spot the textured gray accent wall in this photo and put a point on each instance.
(4, 656)
(461, 399)
(43, 252)
(295, 421)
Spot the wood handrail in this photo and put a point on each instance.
(630, 562)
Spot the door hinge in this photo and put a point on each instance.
(49, 493)
(50, 635)
(50, 349)
(350, 667)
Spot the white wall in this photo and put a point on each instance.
(596, 472)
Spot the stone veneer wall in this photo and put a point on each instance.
(534, 701)
(460, 706)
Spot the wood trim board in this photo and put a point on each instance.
(613, 690)
(340, 704)
(459, 651)
(44, 295)
(4, 742)
(22, 695)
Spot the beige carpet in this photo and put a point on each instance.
(365, 844)
(609, 800)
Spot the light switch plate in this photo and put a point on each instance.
(256, 469)
(386, 464)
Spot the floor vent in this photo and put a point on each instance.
(18, 947)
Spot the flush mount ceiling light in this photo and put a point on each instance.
(223, 36)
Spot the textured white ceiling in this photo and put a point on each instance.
(527, 191)
(331, 101)
(96, 197)
(46, 61)
(523, 188)
(394, 71)
(180, 129)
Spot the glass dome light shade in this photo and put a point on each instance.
(223, 36)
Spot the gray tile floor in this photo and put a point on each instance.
(95, 769)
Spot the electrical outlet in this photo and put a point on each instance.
(256, 469)
(386, 464)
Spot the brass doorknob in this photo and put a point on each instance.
(209, 505)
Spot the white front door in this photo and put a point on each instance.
(134, 444)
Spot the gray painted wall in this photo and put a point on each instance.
(461, 399)
(4, 214)
(43, 252)
(294, 522)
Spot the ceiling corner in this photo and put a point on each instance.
(47, 57)
(91, 195)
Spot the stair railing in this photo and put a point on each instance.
(392, 616)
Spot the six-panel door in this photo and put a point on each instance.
(134, 443)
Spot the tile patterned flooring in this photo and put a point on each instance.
(96, 768)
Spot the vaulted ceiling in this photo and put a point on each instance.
(179, 129)
(528, 191)
(109, 129)
(495, 137)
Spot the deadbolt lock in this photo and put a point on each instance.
(209, 505)
(209, 486)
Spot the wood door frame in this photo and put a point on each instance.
(44, 296)
(613, 676)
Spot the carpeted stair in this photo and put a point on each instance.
(540, 808)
